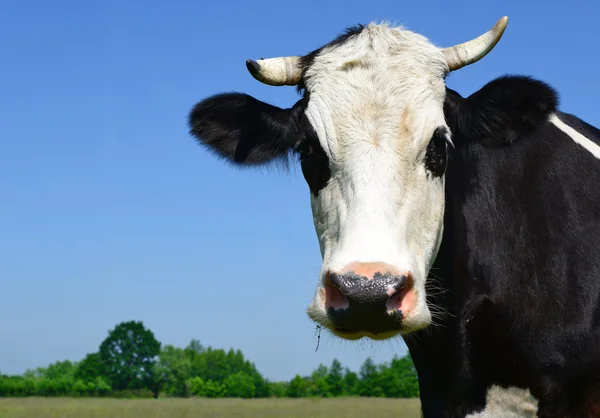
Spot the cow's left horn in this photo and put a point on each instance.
(460, 55)
(282, 71)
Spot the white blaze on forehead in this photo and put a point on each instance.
(375, 101)
(359, 88)
(377, 96)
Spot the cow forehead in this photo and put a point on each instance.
(383, 86)
(380, 48)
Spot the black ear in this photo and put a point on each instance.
(503, 111)
(244, 130)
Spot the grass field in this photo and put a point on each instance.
(217, 408)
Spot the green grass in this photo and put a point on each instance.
(204, 408)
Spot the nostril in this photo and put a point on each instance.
(403, 298)
(334, 298)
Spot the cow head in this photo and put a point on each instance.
(372, 141)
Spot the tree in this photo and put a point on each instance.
(215, 365)
(195, 386)
(278, 389)
(56, 370)
(214, 389)
(351, 383)
(298, 387)
(320, 385)
(173, 370)
(335, 378)
(60, 369)
(408, 383)
(369, 379)
(90, 368)
(194, 349)
(128, 355)
(239, 385)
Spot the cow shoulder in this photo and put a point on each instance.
(501, 112)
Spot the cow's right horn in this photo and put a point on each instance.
(460, 55)
(282, 71)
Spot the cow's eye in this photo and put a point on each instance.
(436, 156)
(313, 160)
(305, 148)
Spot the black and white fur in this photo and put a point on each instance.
(501, 190)
(519, 258)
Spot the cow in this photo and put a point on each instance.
(468, 226)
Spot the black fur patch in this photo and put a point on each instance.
(503, 111)
(436, 156)
(315, 163)
(518, 261)
(244, 130)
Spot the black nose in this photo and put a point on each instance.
(362, 304)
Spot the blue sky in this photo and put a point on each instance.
(109, 211)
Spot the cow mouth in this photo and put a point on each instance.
(348, 334)
(384, 316)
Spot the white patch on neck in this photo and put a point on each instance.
(576, 136)
(510, 402)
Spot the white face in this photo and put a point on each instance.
(373, 141)
(375, 102)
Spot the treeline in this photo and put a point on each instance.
(130, 362)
